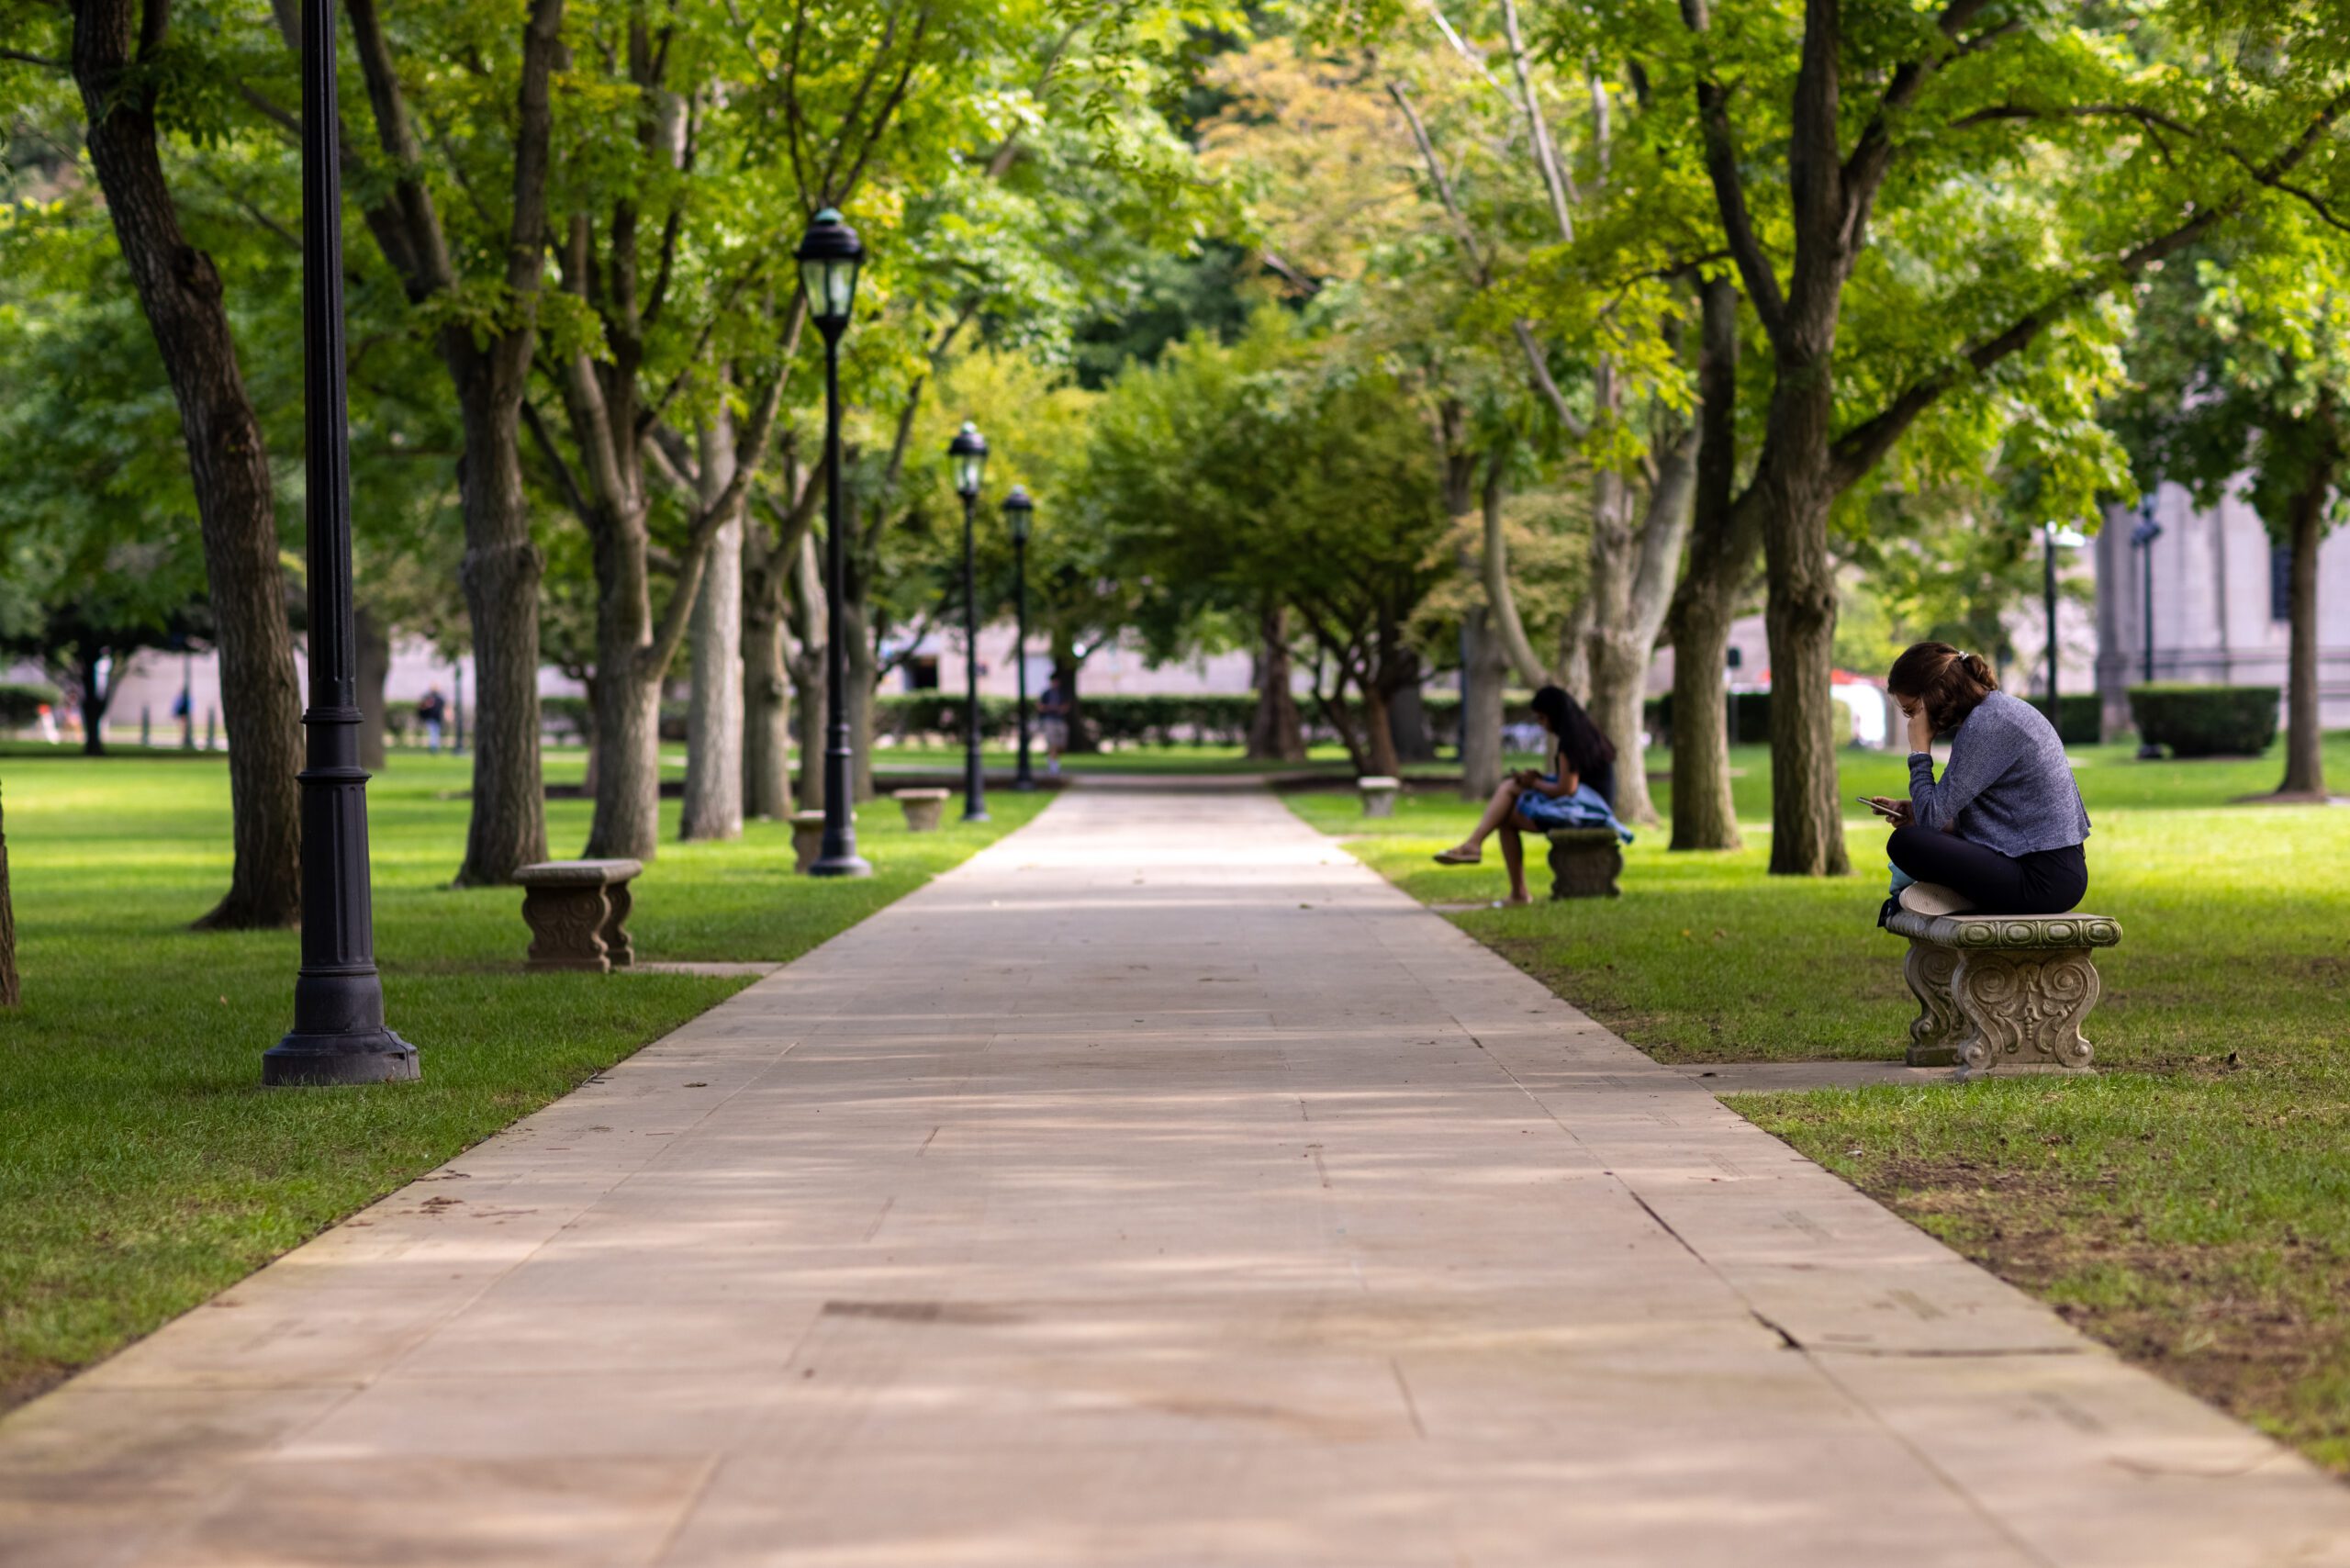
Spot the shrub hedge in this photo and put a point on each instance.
(2205, 721)
(2079, 721)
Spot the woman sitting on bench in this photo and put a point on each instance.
(2002, 831)
(1580, 791)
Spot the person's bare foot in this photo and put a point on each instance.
(1515, 900)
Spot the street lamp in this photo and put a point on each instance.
(968, 454)
(1018, 509)
(829, 256)
(339, 1035)
(2142, 539)
(2054, 538)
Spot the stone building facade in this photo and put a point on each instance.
(2220, 605)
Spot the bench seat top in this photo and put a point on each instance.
(918, 794)
(577, 873)
(1985, 930)
(1377, 781)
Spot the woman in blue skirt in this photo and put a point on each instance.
(1579, 791)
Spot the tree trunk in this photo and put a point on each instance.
(1379, 757)
(806, 662)
(863, 675)
(372, 646)
(11, 995)
(1275, 733)
(2304, 741)
(1573, 670)
(508, 827)
(180, 293)
(627, 819)
(767, 682)
(1722, 546)
(1067, 666)
(1630, 593)
(715, 743)
(1795, 491)
(1407, 711)
(1482, 670)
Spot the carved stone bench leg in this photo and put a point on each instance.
(1585, 863)
(1934, 1033)
(566, 929)
(617, 946)
(2024, 1009)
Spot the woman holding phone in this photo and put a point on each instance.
(2002, 830)
(1579, 791)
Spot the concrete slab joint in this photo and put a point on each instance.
(577, 912)
(2002, 991)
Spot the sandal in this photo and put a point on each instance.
(1460, 855)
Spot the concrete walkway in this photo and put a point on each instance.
(1163, 1188)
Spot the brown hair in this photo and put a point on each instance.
(1949, 683)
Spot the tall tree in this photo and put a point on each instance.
(481, 301)
(1883, 124)
(2240, 375)
(118, 54)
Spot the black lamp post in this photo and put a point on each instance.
(2142, 539)
(1018, 509)
(339, 1035)
(829, 255)
(968, 454)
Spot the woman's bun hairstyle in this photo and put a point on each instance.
(1950, 684)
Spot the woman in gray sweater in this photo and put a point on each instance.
(2001, 830)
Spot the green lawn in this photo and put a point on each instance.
(2189, 1204)
(142, 1168)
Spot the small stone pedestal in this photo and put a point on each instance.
(2002, 991)
(1379, 795)
(807, 839)
(577, 912)
(923, 808)
(1586, 862)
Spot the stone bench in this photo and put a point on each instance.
(1379, 794)
(2001, 991)
(1586, 862)
(923, 808)
(577, 912)
(807, 839)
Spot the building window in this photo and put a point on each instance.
(2281, 583)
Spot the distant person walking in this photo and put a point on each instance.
(433, 712)
(2002, 830)
(1053, 709)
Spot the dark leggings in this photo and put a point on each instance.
(2047, 881)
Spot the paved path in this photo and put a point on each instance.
(1159, 1188)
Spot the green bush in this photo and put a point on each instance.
(21, 704)
(2079, 720)
(1749, 719)
(2205, 721)
(566, 715)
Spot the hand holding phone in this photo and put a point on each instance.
(1889, 809)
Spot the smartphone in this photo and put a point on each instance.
(1879, 807)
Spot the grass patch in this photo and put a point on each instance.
(2189, 1205)
(142, 1166)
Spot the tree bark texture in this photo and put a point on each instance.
(1723, 543)
(2304, 739)
(1275, 732)
(715, 743)
(767, 683)
(1633, 575)
(1482, 671)
(180, 293)
(373, 645)
(805, 659)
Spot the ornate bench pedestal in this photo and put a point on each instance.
(577, 912)
(1586, 862)
(807, 839)
(923, 808)
(2002, 993)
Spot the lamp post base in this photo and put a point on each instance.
(841, 866)
(377, 1056)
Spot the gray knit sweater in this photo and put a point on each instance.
(2007, 787)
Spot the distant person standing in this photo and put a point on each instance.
(433, 710)
(1053, 708)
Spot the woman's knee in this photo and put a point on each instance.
(1901, 847)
